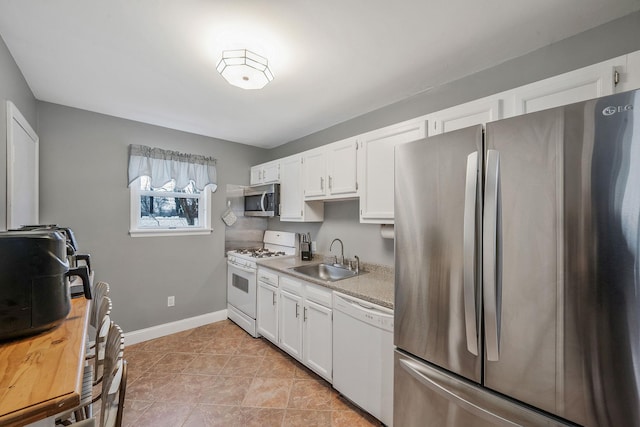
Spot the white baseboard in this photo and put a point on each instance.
(158, 331)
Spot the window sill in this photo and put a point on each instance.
(171, 232)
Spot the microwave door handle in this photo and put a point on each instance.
(264, 195)
(469, 254)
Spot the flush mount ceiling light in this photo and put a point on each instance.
(245, 69)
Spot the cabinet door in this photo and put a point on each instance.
(318, 339)
(315, 170)
(575, 86)
(472, 113)
(256, 175)
(271, 172)
(341, 168)
(267, 315)
(630, 78)
(376, 166)
(291, 189)
(291, 324)
(292, 204)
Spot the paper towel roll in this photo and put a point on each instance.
(386, 231)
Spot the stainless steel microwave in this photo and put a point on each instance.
(263, 200)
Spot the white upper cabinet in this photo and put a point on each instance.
(315, 171)
(342, 162)
(363, 166)
(575, 86)
(376, 168)
(469, 114)
(292, 204)
(630, 75)
(330, 172)
(265, 173)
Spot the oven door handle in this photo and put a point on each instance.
(234, 265)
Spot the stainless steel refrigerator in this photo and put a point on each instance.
(517, 271)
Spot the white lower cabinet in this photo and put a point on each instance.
(267, 313)
(317, 339)
(291, 323)
(267, 316)
(305, 324)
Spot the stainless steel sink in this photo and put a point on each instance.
(327, 272)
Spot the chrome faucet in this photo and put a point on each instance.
(341, 251)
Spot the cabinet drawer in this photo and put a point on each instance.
(267, 276)
(318, 294)
(291, 285)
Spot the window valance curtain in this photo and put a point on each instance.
(161, 166)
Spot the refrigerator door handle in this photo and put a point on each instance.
(469, 254)
(414, 370)
(490, 257)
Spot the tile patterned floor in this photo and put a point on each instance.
(218, 375)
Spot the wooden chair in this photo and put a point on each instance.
(112, 400)
(114, 372)
(95, 353)
(100, 290)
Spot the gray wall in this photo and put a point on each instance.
(341, 218)
(13, 88)
(84, 186)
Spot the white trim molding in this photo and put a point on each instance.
(146, 334)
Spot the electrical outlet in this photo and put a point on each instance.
(171, 301)
(313, 246)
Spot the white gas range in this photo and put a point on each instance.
(242, 276)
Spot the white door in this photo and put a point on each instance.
(318, 339)
(291, 189)
(267, 316)
(587, 83)
(291, 324)
(465, 115)
(241, 288)
(256, 175)
(22, 170)
(315, 169)
(376, 165)
(341, 168)
(271, 172)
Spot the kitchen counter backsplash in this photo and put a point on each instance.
(375, 286)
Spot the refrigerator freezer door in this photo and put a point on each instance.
(436, 303)
(567, 261)
(428, 397)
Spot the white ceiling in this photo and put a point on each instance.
(154, 61)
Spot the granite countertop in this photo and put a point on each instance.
(375, 286)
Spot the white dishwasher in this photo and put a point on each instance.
(363, 355)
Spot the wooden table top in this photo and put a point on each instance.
(41, 375)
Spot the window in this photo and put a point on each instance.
(169, 192)
(168, 209)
